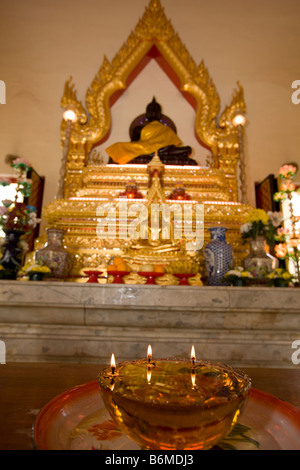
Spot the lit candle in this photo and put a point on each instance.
(193, 355)
(149, 353)
(113, 364)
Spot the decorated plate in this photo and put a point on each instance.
(77, 420)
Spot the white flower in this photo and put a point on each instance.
(276, 218)
(246, 227)
(234, 272)
(33, 220)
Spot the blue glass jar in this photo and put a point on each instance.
(218, 256)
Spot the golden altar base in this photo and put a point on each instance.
(78, 217)
(86, 184)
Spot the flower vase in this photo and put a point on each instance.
(218, 256)
(54, 255)
(259, 262)
(12, 256)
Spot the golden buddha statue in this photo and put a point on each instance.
(158, 240)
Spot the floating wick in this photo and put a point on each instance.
(193, 355)
(149, 353)
(113, 363)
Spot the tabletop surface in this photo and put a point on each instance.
(25, 388)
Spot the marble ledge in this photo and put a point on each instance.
(74, 322)
(67, 294)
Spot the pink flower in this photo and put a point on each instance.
(281, 250)
(21, 162)
(287, 171)
(3, 211)
(7, 202)
(288, 187)
(282, 234)
(4, 181)
(293, 242)
(281, 196)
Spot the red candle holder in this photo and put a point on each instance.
(118, 276)
(183, 278)
(151, 276)
(93, 276)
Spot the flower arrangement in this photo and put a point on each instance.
(259, 223)
(282, 275)
(288, 241)
(16, 220)
(238, 276)
(286, 173)
(34, 271)
(16, 215)
(37, 268)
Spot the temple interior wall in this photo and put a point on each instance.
(42, 43)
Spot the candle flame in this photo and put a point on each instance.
(149, 373)
(149, 352)
(113, 361)
(193, 378)
(193, 354)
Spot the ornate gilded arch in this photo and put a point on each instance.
(213, 129)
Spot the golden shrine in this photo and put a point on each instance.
(86, 182)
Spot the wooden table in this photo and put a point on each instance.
(25, 388)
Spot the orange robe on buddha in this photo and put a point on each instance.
(154, 136)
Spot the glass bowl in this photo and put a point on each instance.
(172, 404)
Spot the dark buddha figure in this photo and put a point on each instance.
(150, 133)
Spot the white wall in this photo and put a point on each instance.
(43, 42)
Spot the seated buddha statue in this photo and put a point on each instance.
(160, 229)
(150, 133)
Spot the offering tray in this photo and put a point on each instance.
(78, 420)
